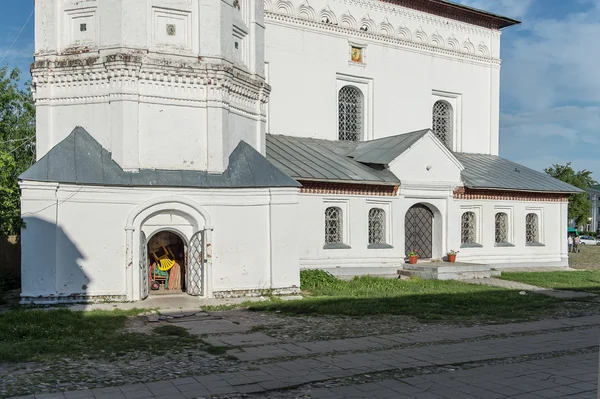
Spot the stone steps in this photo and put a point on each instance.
(448, 271)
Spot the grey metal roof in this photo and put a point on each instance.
(80, 159)
(323, 160)
(484, 171)
(385, 150)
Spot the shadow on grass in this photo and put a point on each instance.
(427, 300)
(42, 335)
(486, 306)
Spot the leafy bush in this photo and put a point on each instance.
(310, 279)
(9, 283)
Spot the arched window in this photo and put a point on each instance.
(467, 232)
(443, 124)
(333, 225)
(501, 228)
(532, 228)
(350, 113)
(376, 226)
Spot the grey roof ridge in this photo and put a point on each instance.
(321, 152)
(518, 167)
(317, 155)
(243, 153)
(306, 166)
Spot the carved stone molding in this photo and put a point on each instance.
(346, 24)
(463, 193)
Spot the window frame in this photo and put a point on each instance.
(538, 224)
(455, 100)
(449, 134)
(477, 211)
(360, 111)
(365, 85)
(344, 207)
(509, 226)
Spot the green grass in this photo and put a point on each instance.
(588, 258)
(427, 300)
(45, 335)
(584, 280)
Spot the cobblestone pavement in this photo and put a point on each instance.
(543, 359)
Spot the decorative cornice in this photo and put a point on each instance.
(419, 40)
(312, 187)
(463, 193)
(127, 75)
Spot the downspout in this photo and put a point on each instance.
(270, 235)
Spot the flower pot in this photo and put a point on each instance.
(452, 258)
(412, 259)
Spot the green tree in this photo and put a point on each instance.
(579, 204)
(17, 145)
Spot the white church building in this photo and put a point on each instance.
(258, 139)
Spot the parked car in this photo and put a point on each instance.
(588, 240)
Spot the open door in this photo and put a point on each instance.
(144, 273)
(195, 265)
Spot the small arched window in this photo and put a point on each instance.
(350, 113)
(333, 225)
(467, 232)
(377, 226)
(532, 229)
(501, 228)
(443, 123)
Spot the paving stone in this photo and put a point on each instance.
(142, 393)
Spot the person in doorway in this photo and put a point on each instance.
(570, 242)
(576, 243)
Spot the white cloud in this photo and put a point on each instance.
(550, 82)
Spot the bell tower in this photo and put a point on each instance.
(161, 84)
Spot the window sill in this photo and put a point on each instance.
(336, 246)
(504, 244)
(471, 246)
(534, 244)
(379, 246)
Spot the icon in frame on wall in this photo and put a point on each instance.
(356, 54)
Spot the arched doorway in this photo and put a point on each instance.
(185, 218)
(418, 228)
(166, 257)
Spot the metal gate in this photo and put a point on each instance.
(144, 273)
(418, 228)
(195, 262)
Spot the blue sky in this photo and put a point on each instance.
(550, 87)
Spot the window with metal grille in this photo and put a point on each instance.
(531, 228)
(350, 113)
(501, 228)
(376, 226)
(442, 124)
(333, 225)
(467, 233)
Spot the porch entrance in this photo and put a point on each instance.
(166, 254)
(418, 228)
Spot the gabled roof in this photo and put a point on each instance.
(484, 171)
(323, 160)
(80, 159)
(342, 161)
(385, 150)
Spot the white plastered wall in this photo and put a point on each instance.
(447, 214)
(410, 58)
(552, 233)
(83, 242)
